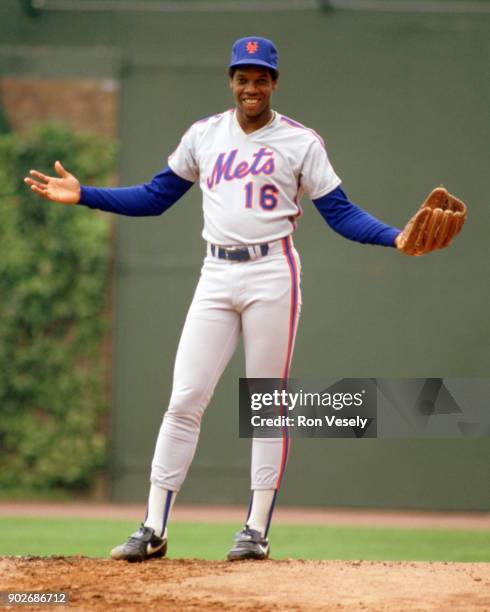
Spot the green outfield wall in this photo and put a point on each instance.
(402, 101)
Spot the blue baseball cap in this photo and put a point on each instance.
(254, 51)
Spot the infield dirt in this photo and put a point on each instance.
(162, 584)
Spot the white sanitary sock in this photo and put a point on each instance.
(160, 502)
(260, 512)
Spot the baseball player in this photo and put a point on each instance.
(252, 164)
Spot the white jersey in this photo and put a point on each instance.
(252, 183)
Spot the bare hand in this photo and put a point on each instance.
(65, 190)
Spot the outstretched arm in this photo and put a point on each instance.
(152, 198)
(354, 223)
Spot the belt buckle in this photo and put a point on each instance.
(236, 253)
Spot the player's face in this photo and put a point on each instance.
(252, 89)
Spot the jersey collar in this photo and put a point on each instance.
(272, 122)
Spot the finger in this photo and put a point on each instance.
(40, 191)
(30, 181)
(60, 170)
(40, 175)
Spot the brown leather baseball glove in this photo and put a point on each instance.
(436, 223)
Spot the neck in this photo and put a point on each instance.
(251, 124)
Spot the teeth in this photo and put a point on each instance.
(249, 101)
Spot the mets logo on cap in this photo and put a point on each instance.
(255, 51)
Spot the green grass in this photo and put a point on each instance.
(31, 536)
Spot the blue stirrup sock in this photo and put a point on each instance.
(160, 502)
(260, 510)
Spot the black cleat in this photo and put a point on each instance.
(249, 544)
(142, 544)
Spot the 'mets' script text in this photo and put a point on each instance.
(226, 168)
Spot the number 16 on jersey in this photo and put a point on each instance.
(267, 196)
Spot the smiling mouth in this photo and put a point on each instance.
(251, 101)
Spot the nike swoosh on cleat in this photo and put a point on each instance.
(153, 549)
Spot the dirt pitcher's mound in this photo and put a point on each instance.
(161, 584)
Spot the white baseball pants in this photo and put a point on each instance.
(259, 298)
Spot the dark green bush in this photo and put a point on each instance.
(53, 285)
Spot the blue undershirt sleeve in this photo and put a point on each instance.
(150, 199)
(352, 222)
